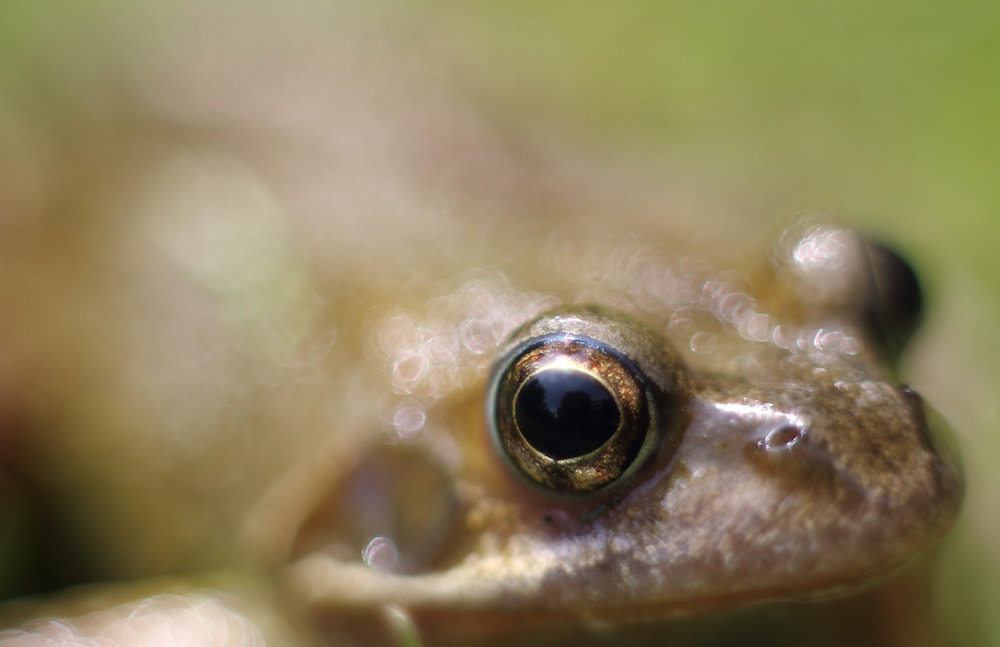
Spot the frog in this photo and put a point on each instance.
(324, 355)
(578, 520)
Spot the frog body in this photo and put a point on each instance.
(270, 331)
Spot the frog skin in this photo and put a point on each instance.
(273, 333)
(776, 473)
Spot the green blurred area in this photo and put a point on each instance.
(881, 110)
(886, 112)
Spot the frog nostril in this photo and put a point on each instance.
(783, 437)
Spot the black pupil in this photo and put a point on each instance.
(565, 413)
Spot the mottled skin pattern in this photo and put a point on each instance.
(252, 308)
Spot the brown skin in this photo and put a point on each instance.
(255, 327)
(812, 476)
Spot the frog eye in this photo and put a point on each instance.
(894, 301)
(570, 412)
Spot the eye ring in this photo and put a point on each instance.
(571, 413)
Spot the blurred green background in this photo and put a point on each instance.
(881, 110)
(886, 112)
